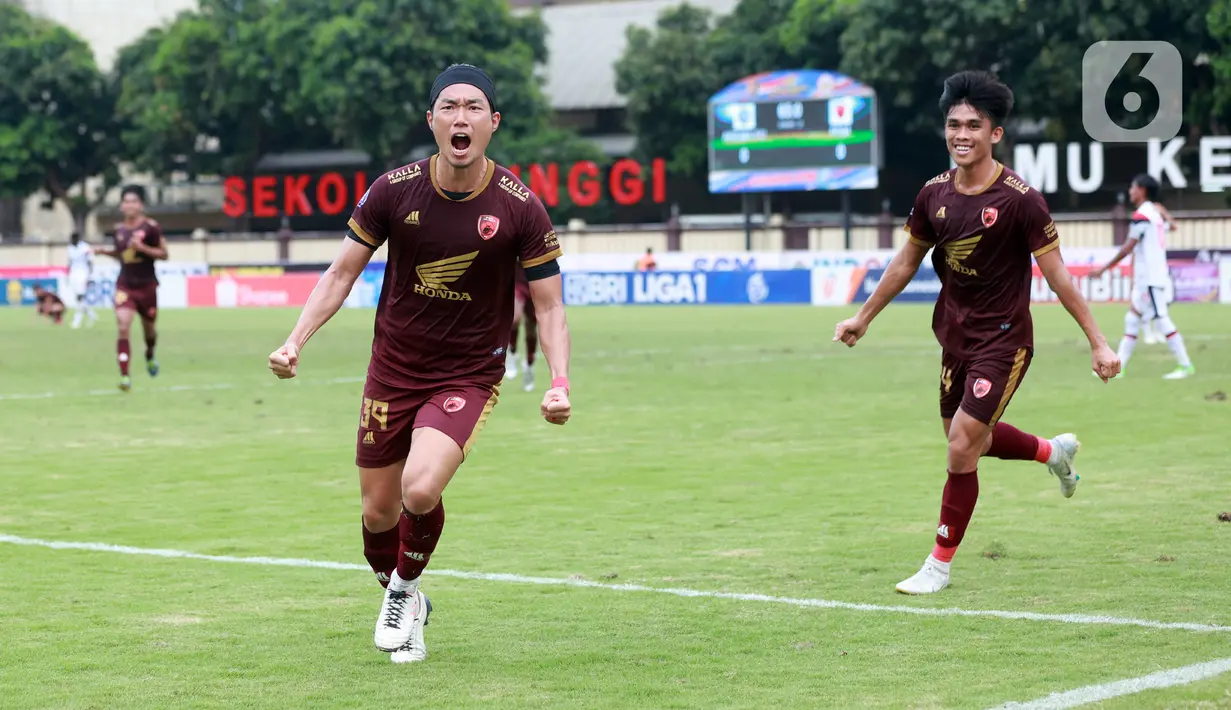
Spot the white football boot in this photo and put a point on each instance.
(1064, 449)
(527, 380)
(415, 649)
(931, 578)
(510, 365)
(399, 614)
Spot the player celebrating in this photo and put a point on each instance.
(47, 303)
(985, 223)
(455, 224)
(1147, 242)
(523, 312)
(80, 265)
(139, 242)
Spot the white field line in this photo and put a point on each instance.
(673, 591)
(1129, 686)
(179, 388)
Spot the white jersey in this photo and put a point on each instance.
(80, 258)
(1150, 252)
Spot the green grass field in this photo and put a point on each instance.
(712, 449)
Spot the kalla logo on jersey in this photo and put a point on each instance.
(488, 226)
(989, 216)
(435, 277)
(454, 404)
(981, 388)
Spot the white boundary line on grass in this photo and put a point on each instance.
(678, 592)
(176, 388)
(1129, 686)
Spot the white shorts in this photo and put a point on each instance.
(1150, 302)
(78, 282)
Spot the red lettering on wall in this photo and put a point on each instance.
(331, 204)
(658, 174)
(361, 185)
(234, 197)
(293, 198)
(627, 190)
(516, 170)
(584, 194)
(546, 184)
(264, 196)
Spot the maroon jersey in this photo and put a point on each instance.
(137, 268)
(446, 305)
(983, 242)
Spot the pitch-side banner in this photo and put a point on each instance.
(687, 287)
(250, 291)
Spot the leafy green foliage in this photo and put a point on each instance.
(56, 110)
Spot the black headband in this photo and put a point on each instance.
(464, 74)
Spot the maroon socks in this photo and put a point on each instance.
(419, 535)
(957, 505)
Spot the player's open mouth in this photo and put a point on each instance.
(461, 143)
(961, 149)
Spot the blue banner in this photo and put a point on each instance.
(924, 288)
(20, 292)
(687, 287)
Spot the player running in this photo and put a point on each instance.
(985, 222)
(1147, 242)
(80, 266)
(139, 242)
(456, 224)
(47, 303)
(523, 312)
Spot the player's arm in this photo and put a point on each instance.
(1135, 231)
(538, 249)
(156, 251)
(1044, 244)
(331, 290)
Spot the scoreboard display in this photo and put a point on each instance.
(793, 134)
(795, 130)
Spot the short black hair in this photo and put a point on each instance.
(982, 90)
(1147, 182)
(133, 190)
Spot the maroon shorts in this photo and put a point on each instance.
(390, 414)
(142, 299)
(982, 387)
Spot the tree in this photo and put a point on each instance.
(56, 114)
(668, 79)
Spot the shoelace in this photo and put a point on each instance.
(397, 604)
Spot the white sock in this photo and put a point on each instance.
(1126, 349)
(1176, 343)
(77, 317)
(398, 584)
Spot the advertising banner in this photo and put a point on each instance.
(835, 285)
(687, 287)
(20, 291)
(1194, 281)
(1115, 286)
(250, 291)
(924, 288)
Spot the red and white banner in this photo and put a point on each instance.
(1115, 286)
(250, 291)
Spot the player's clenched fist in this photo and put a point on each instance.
(284, 361)
(556, 408)
(850, 331)
(1105, 362)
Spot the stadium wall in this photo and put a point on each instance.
(823, 278)
(1194, 231)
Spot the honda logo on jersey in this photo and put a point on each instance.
(989, 216)
(488, 226)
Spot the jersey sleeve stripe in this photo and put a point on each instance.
(1043, 250)
(362, 233)
(553, 254)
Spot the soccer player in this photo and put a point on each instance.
(139, 242)
(1147, 242)
(523, 312)
(1149, 328)
(984, 223)
(80, 265)
(456, 225)
(47, 303)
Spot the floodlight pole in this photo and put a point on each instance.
(846, 217)
(747, 203)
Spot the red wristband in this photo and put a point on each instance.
(560, 382)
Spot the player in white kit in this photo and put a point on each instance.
(80, 266)
(1147, 241)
